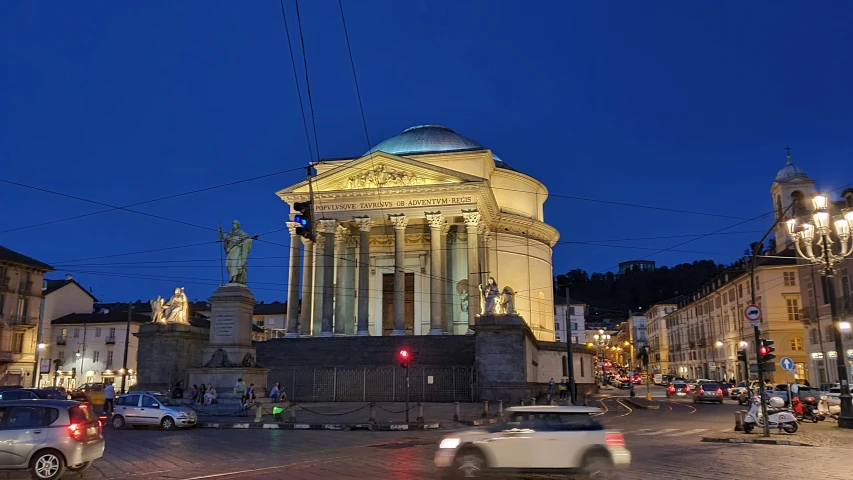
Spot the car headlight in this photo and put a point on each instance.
(449, 443)
(182, 414)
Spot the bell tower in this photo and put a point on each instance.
(791, 185)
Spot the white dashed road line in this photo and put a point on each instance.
(688, 432)
(658, 432)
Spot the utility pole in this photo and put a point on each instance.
(573, 394)
(126, 346)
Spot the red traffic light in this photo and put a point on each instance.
(404, 354)
(764, 350)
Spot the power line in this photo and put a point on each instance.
(307, 81)
(354, 76)
(125, 207)
(296, 81)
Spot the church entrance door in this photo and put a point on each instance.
(388, 304)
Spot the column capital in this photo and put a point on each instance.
(328, 224)
(364, 223)
(307, 241)
(472, 218)
(320, 239)
(341, 233)
(435, 219)
(399, 221)
(291, 227)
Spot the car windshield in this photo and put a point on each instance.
(164, 400)
(710, 386)
(679, 385)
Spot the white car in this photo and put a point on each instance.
(536, 439)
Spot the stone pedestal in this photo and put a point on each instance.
(166, 353)
(230, 355)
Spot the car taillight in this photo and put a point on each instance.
(671, 389)
(614, 440)
(701, 391)
(75, 431)
(100, 427)
(719, 391)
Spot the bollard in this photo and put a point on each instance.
(584, 400)
(533, 401)
(292, 412)
(522, 402)
(259, 413)
(372, 413)
(553, 402)
(456, 412)
(420, 418)
(485, 409)
(739, 421)
(500, 408)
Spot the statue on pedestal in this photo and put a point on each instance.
(176, 310)
(237, 245)
(508, 301)
(490, 294)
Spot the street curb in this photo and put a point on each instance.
(650, 406)
(385, 427)
(761, 441)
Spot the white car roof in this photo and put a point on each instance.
(554, 409)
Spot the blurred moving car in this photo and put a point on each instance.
(535, 439)
(148, 408)
(49, 436)
(677, 389)
(90, 392)
(709, 392)
(32, 394)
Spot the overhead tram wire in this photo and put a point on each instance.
(307, 81)
(136, 204)
(296, 82)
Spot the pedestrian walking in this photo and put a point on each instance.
(551, 388)
(109, 399)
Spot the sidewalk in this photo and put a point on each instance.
(346, 416)
(821, 434)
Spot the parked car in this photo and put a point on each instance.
(148, 408)
(709, 392)
(49, 436)
(551, 439)
(32, 394)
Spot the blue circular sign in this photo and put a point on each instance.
(787, 363)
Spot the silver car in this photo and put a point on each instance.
(49, 436)
(149, 408)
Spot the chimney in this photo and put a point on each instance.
(68, 276)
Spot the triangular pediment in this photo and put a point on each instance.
(382, 170)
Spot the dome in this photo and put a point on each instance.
(430, 139)
(790, 172)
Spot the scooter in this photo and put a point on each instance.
(803, 410)
(827, 409)
(777, 416)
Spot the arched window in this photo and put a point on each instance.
(799, 207)
(797, 344)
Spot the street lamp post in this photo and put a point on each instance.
(602, 341)
(813, 241)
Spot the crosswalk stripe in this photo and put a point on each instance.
(656, 432)
(688, 432)
(637, 432)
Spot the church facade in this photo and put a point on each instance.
(407, 233)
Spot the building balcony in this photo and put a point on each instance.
(7, 357)
(24, 321)
(692, 344)
(61, 340)
(111, 340)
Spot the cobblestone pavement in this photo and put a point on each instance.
(664, 443)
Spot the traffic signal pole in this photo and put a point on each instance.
(757, 332)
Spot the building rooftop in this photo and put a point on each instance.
(51, 286)
(790, 172)
(11, 256)
(431, 139)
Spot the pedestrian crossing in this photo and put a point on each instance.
(672, 432)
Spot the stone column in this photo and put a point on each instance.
(364, 225)
(319, 266)
(293, 283)
(399, 221)
(472, 221)
(307, 286)
(340, 265)
(437, 281)
(348, 284)
(328, 276)
(449, 289)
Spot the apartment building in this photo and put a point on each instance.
(573, 320)
(708, 327)
(21, 280)
(657, 334)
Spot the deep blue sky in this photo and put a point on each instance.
(672, 104)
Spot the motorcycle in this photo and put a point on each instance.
(804, 410)
(777, 416)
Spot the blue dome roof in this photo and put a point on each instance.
(790, 172)
(430, 139)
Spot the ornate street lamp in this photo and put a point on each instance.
(813, 241)
(601, 341)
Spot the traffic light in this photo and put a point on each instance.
(765, 352)
(303, 218)
(405, 357)
(741, 356)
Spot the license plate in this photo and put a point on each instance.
(92, 431)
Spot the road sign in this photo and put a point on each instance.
(753, 314)
(787, 364)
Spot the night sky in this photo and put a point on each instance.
(666, 104)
